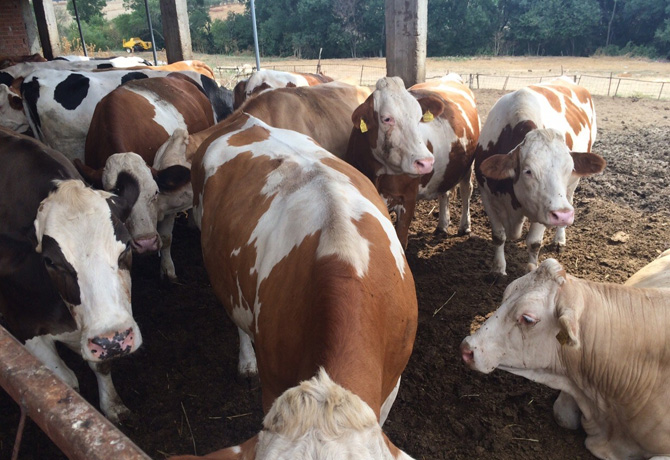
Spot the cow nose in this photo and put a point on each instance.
(562, 217)
(145, 244)
(467, 354)
(424, 166)
(112, 345)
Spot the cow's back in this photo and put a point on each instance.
(322, 112)
(311, 260)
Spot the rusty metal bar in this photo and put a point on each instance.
(80, 431)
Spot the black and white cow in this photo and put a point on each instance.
(65, 260)
(59, 104)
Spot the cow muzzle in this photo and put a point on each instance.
(424, 166)
(562, 217)
(113, 345)
(146, 244)
(467, 354)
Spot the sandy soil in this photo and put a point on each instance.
(182, 384)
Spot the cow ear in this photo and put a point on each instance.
(90, 175)
(501, 166)
(363, 116)
(13, 252)
(567, 308)
(587, 163)
(431, 107)
(172, 177)
(126, 191)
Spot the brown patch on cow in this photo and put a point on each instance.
(15, 102)
(459, 165)
(249, 136)
(508, 139)
(568, 140)
(239, 93)
(314, 79)
(290, 85)
(550, 96)
(367, 113)
(262, 87)
(576, 117)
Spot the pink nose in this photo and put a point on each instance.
(112, 345)
(562, 218)
(424, 166)
(145, 244)
(467, 354)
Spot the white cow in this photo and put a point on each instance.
(603, 345)
(527, 166)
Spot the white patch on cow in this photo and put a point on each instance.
(320, 416)
(166, 114)
(80, 221)
(274, 79)
(307, 196)
(235, 252)
(388, 403)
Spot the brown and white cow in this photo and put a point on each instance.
(528, 166)
(603, 345)
(450, 131)
(267, 79)
(65, 263)
(135, 120)
(300, 250)
(8, 61)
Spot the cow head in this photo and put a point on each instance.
(86, 251)
(11, 110)
(543, 172)
(390, 118)
(536, 318)
(155, 199)
(318, 415)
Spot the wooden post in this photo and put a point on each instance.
(616, 91)
(47, 28)
(175, 30)
(661, 91)
(610, 85)
(406, 35)
(31, 27)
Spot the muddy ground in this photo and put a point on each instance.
(182, 384)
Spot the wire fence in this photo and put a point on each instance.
(365, 75)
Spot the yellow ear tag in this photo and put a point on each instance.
(428, 117)
(364, 127)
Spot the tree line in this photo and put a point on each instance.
(355, 28)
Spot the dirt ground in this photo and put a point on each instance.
(183, 386)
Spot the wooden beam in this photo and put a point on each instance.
(31, 27)
(47, 28)
(406, 34)
(174, 15)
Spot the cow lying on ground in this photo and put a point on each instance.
(527, 163)
(8, 61)
(603, 345)
(266, 79)
(300, 250)
(65, 263)
(450, 131)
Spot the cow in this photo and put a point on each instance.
(8, 61)
(65, 260)
(603, 345)
(300, 250)
(654, 274)
(533, 149)
(267, 79)
(193, 64)
(59, 104)
(23, 69)
(136, 119)
(450, 131)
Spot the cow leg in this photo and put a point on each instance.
(566, 411)
(445, 217)
(534, 243)
(165, 227)
(43, 347)
(499, 237)
(247, 360)
(110, 401)
(466, 193)
(404, 216)
(386, 407)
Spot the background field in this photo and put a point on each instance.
(182, 384)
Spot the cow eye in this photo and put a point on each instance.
(528, 172)
(528, 320)
(387, 120)
(49, 263)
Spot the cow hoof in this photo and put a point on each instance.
(122, 416)
(495, 278)
(463, 231)
(249, 380)
(440, 232)
(560, 248)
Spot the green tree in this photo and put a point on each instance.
(87, 9)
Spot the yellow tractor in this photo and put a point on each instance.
(136, 44)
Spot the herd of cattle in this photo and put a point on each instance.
(291, 178)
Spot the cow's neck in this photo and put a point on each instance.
(359, 155)
(624, 338)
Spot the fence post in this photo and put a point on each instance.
(477, 81)
(505, 84)
(361, 79)
(661, 91)
(470, 81)
(610, 85)
(579, 80)
(617, 87)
